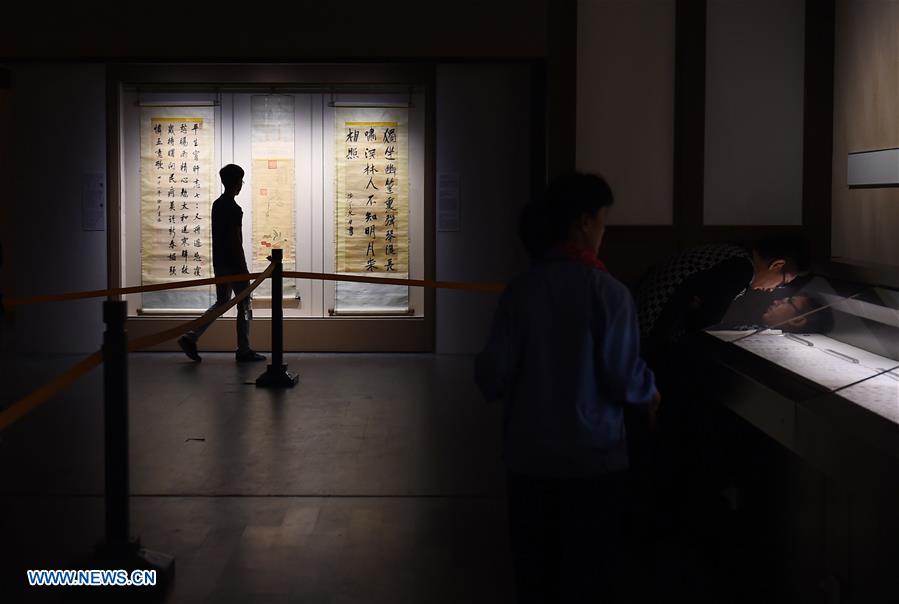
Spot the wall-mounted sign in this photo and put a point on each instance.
(879, 168)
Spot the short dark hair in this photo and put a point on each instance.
(819, 321)
(546, 221)
(793, 250)
(231, 175)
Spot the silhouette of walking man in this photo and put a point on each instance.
(227, 259)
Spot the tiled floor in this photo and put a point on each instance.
(377, 479)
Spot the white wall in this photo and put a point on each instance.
(625, 104)
(483, 135)
(59, 135)
(755, 58)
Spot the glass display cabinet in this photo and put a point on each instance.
(834, 335)
(815, 367)
(336, 160)
(815, 364)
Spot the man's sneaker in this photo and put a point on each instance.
(248, 356)
(189, 347)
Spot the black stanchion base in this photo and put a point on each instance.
(132, 556)
(277, 378)
(128, 557)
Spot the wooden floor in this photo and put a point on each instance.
(377, 479)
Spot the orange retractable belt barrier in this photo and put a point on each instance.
(24, 406)
(28, 404)
(137, 289)
(121, 291)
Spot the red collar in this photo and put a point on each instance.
(580, 254)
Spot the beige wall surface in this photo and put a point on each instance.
(625, 104)
(755, 61)
(866, 116)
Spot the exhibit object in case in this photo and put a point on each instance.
(372, 206)
(176, 184)
(273, 179)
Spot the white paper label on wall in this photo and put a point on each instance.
(449, 203)
(93, 202)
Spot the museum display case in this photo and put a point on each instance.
(834, 335)
(336, 161)
(815, 368)
(328, 181)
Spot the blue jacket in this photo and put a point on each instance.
(564, 354)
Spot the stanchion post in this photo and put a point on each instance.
(278, 308)
(276, 375)
(119, 551)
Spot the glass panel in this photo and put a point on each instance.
(879, 394)
(288, 146)
(833, 333)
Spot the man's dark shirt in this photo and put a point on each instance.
(691, 291)
(227, 237)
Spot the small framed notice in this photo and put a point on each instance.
(93, 202)
(449, 203)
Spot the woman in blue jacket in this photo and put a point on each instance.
(564, 356)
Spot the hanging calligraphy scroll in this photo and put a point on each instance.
(372, 205)
(273, 182)
(372, 191)
(177, 181)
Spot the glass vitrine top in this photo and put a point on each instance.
(839, 334)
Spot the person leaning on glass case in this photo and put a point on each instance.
(564, 356)
(695, 289)
(696, 451)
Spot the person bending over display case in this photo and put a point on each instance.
(564, 356)
(227, 259)
(694, 289)
(686, 461)
(704, 286)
